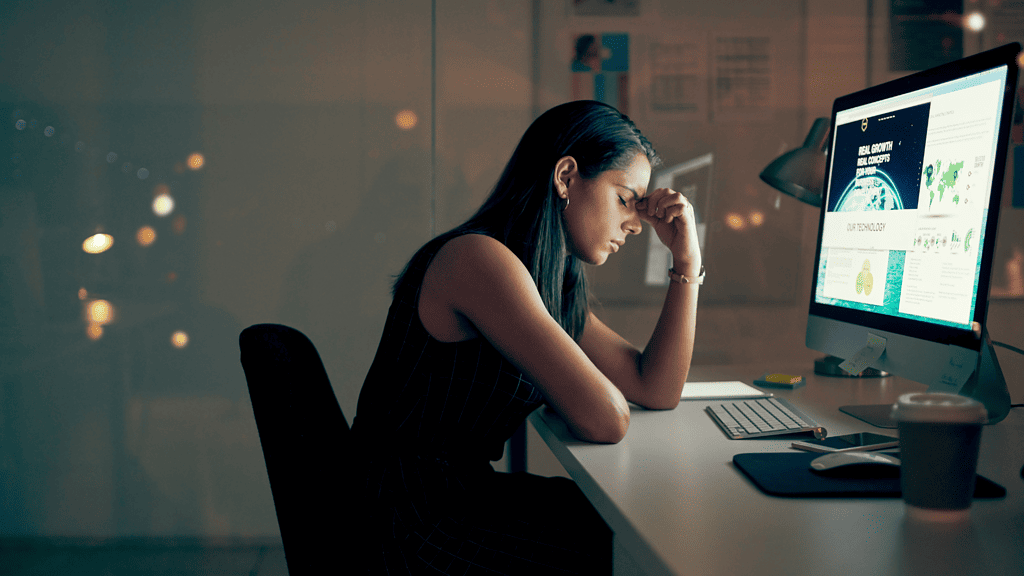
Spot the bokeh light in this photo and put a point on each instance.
(83, 293)
(20, 124)
(975, 21)
(406, 119)
(145, 236)
(179, 339)
(196, 161)
(94, 331)
(756, 218)
(163, 205)
(99, 312)
(98, 243)
(48, 131)
(111, 157)
(735, 221)
(179, 223)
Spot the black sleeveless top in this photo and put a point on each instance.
(457, 401)
(430, 417)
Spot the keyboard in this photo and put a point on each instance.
(762, 417)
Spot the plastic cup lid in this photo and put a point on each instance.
(939, 407)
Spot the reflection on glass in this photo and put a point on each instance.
(98, 243)
(99, 312)
(145, 236)
(196, 161)
(94, 331)
(735, 221)
(163, 205)
(975, 22)
(179, 339)
(406, 119)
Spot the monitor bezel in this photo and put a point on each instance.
(1006, 55)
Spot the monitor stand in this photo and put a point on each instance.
(829, 366)
(986, 385)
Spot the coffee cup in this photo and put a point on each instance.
(940, 435)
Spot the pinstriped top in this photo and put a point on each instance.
(430, 416)
(455, 401)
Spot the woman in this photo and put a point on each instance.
(491, 320)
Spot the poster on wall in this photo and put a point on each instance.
(741, 80)
(600, 69)
(678, 87)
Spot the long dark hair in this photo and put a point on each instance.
(524, 212)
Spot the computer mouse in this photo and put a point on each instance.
(857, 465)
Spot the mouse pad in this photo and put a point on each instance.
(789, 474)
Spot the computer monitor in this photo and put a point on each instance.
(913, 179)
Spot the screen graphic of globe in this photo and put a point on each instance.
(869, 194)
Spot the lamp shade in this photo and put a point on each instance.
(801, 172)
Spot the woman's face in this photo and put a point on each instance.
(602, 210)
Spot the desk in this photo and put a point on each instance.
(677, 504)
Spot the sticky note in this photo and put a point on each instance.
(865, 356)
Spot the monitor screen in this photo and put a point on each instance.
(913, 178)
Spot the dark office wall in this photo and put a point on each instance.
(308, 193)
(307, 198)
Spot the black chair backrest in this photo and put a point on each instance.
(303, 434)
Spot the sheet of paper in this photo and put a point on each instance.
(955, 373)
(865, 356)
(723, 389)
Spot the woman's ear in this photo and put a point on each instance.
(565, 172)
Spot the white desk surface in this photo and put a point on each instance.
(677, 504)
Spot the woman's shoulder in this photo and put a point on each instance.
(475, 254)
(468, 272)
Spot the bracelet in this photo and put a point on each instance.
(677, 277)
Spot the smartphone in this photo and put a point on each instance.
(861, 441)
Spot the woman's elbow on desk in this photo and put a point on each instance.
(667, 403)
(607, 431)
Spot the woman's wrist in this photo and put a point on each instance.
(687, 267)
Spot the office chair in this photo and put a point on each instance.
(303, 434)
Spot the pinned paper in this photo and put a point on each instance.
(865, 356)
(957, 370)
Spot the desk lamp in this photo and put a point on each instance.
(800, 173)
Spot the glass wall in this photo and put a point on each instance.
(173, 172)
